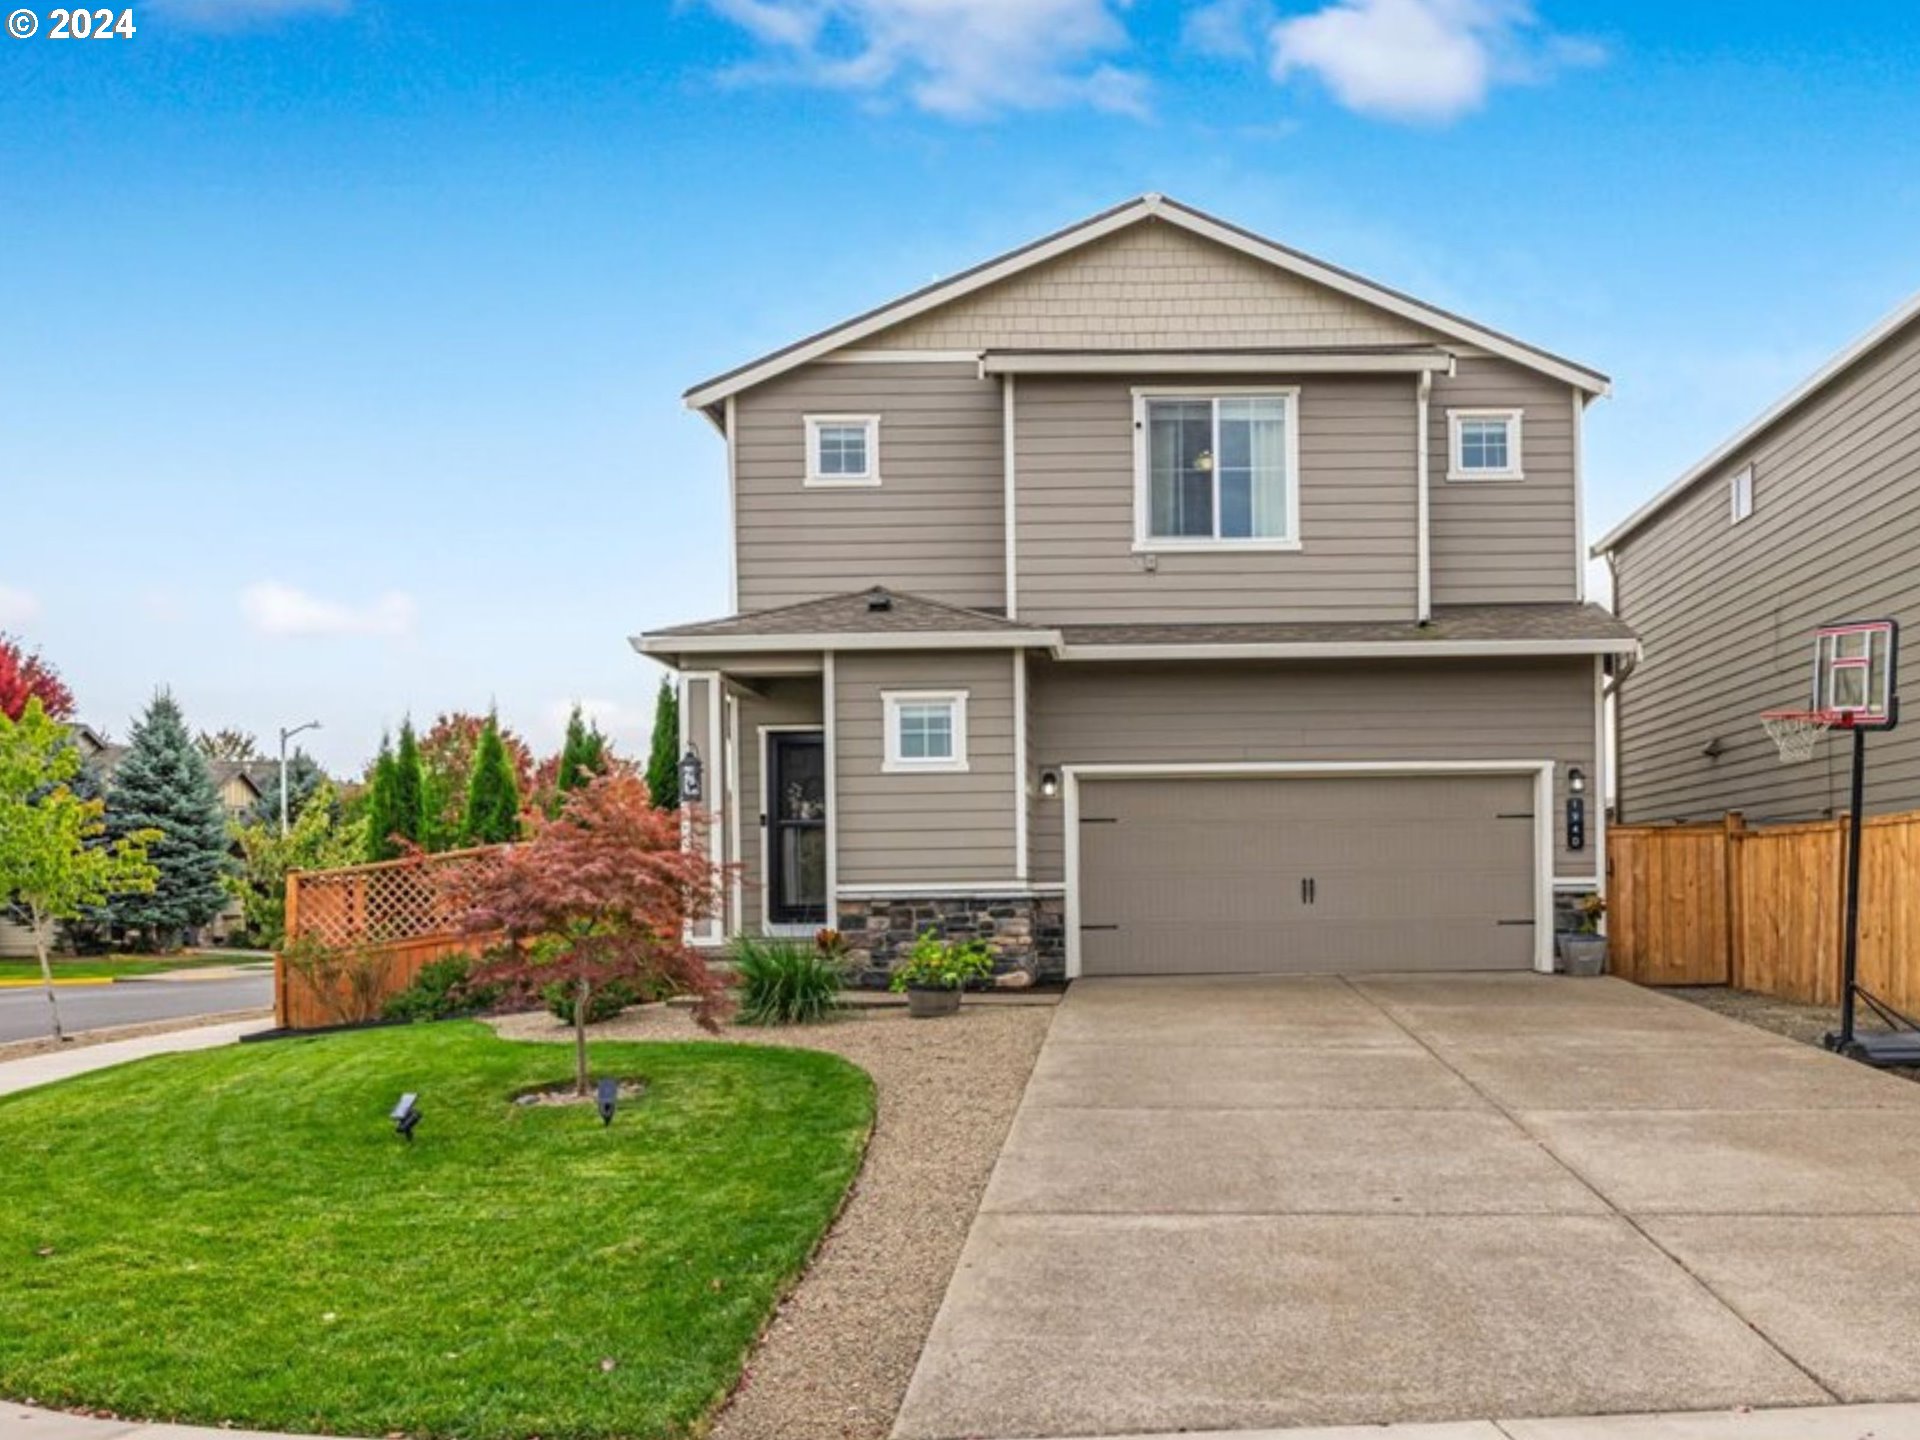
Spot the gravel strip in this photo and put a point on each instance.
(835, 1360)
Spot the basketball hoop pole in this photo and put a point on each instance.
(1850, 958)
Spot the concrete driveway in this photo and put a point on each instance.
(1236, 1203)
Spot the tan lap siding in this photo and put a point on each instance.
(896, 829)
(1432, 710)
(789, 702)
(1727, 612)
(934, 525)
(1498, 541)
(1074, 447)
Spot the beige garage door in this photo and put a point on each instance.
(1305, 876)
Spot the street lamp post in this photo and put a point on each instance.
(286, 735)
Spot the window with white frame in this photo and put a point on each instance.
(925, 729)
(1484, 445)
(1216, 468)
(1740, 493)
(843, 449)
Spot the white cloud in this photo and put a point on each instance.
(1422, 60)
(276, 609)
(232, 14)
(1226, 29)
(17, 606)
(964, 59)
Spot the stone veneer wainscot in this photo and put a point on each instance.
(1024, 931)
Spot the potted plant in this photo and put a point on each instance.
(935, 971)
(1583, 950)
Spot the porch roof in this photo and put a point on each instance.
(879, 619)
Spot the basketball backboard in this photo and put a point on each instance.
(1853, 673)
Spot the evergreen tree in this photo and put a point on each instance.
(492, 815)
(409, 787)
(381, 816)
(161, 784)
(304, 779)
(663, 762)
(583, 756)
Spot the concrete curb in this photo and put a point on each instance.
(38, 984)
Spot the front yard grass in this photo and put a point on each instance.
(238, 1236)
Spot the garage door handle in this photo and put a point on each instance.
(1099, 927)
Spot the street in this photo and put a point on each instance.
(23, 1010)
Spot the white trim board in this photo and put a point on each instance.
(1210, 362)
(1146, 207)
(1780, 410)
(860, 640)
(1542, 772)
(1052, 642)
(936, 889)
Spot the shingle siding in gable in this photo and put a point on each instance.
(1151, 286)
(1727, 612)
(935, 524)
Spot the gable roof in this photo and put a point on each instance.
(1133, 212)
(873, 618)
(1780, 410)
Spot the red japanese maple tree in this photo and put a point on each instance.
(25, 676)
(602, 892)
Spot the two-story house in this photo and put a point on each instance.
(1155, 599)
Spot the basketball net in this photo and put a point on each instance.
(1797, 733)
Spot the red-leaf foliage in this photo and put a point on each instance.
(25, 676)
(603, 892)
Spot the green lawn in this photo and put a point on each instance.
(94, 967)
(237, 1235)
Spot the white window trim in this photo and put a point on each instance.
(1739, 490)
(816, 480)
(1146, 543)
(897, 764)
(1514, 470)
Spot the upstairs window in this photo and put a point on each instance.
(926, 729)
(1485, 445)
(843, 450)
(1740, 494)
(1216, 469)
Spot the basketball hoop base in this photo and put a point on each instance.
(1797, 732)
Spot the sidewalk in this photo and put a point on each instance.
(36, 1070)
(1832, 1422)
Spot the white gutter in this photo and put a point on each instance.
(873, 640)
(1349, 650)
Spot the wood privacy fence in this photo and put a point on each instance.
(379, 924)
(1763, 908)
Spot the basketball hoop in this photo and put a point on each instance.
(1798, 732)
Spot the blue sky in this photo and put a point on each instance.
(341, 341)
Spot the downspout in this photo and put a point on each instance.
(1423, 584)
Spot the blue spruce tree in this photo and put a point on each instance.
(162, 784)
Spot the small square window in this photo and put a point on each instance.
(843, 450)
(926, 730)
(1485, 445)
(1740, 494)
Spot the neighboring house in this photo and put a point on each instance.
(1808, 516)
(1154, 598)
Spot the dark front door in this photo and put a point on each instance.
(796, 828)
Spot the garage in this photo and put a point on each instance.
(1304, 874)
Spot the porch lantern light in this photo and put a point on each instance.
(692, 775)
(1049, 784)
(1576, 781)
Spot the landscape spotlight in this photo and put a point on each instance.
(405, 1116)
(609, 1097)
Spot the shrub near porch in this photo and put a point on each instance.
(238, 1236)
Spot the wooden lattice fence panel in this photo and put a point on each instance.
(394, 916)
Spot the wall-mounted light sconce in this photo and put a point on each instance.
(692, 776)
(1577, 781)
(1049, 784)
